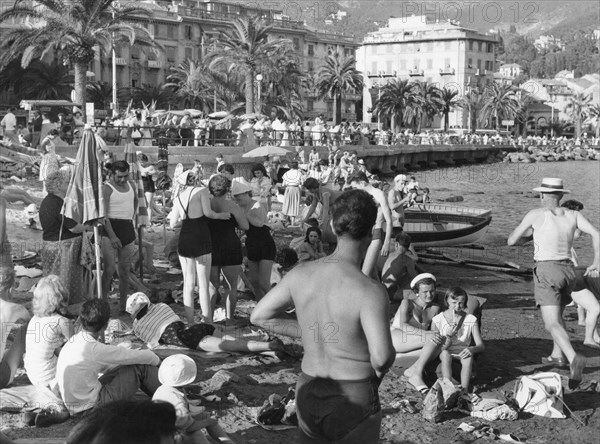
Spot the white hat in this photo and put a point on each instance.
(551, 185)
(239, 188)
(135, 302)
(31, 211)
(360, 161)
(177, 371)
(400, 178)
(183, 177)
(420, 277)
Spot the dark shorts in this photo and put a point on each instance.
(124, 230)
(330, 409)
(4, 374)
(553, 282)
(586, 282)
(178, 334)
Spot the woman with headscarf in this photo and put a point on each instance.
(61, 236)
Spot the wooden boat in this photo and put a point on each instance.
(440, 225)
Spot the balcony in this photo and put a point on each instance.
(416, 72)
(447, 71)
(155, 64)
(120, 61)
(351, 96)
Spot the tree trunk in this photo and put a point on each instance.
(250, 91)
(446, 120)
(338, 109)
(80, 69)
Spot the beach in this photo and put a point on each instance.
(512, 328)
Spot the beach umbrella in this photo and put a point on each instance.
(84, 201)
(138, 187)
(267, 150)
(218, 114)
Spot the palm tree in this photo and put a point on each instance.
(39, 81)
(161, 95)
(336, 76)
(594, 117)
(523, 115)
(449, 100)
(499, 102)
(194, 83)
(396, 97)
(246, 47)
(73, 29)
(472, 102)
(578, 109)
(426, 105)
(99, 93)
(284, 81)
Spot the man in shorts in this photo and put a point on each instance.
(381, 236)
(118, 240)
(553, 229)
(343, 320)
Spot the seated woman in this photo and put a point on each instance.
(312, 248)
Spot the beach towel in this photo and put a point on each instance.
(540, 394)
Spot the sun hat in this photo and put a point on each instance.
(420, 277)
(551, 185)
(177, 370)
(239, 188)
(400, 178)
(183, 177)
(135, 302)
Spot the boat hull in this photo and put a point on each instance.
(433, 225)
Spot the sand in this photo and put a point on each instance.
(512, 330)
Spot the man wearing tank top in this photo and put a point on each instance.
(118, 240)
(553, 229)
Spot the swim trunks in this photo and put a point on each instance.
(553, 282)
(260, 244)
(330, 409)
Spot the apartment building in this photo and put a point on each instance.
(184, 28)
(420, 49)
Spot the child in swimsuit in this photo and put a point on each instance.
(458, 327)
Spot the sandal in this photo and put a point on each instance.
(558, 362)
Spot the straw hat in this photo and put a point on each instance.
(551, 185)
(420, 277)
(177, 371)
(239, 188)
(135, 302)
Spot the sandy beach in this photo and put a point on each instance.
(512, 330)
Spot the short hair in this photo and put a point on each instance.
(455, 292)
(53, 132)
(311, 183)
(286, 257)
(122, 166)
(313, 222)
(126, 421)
(143, 157)
(49, 297)
(226, 168)
(310, 230)
(219, 185)
(358, 176)
(94, 315)
(425, 281)
(354, 214)
(219, 156)
(294, 165)
(425, 189)
(258, 167)
(572, 204)
(403, 239)
(57, 182)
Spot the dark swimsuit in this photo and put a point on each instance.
(260, 244)
(194, 239)
(148, 183)
(226, 245)
(330, 409)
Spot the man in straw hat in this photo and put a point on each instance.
(343, 320)
(553, 229)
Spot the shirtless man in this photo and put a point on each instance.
(398, 200)
(343, 322)
(360, 181)
(398, 269)
(553, 230)
(326, 197)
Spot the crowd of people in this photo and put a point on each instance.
(222, 226)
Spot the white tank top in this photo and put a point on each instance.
(121, 203)
(553, 239)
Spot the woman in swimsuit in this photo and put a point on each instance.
(192, 207)
(260, 246)
(226, 245)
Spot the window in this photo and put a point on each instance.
(348, 52)
(416, 64)
(188, 52)
(429, 46)
(447, 45)
(134, 51)
(329, 107)
(152, 77)
(429, 63)
(296, 42)
(490, 47)
(310, 105)
(479, 46)
(171, 53)
(388, 67)
(470, 63)
(161, 30)
(470, 45)
(447, 62)
(374, 68)
(311, 66)
(380, 49)
(171, 31)
(151, 55)
(311, 50)
(403, 65)
(188, 32)
(478, 64)
(388, 48)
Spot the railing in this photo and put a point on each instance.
(416, 72)
(447, 71)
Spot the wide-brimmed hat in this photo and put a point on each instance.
(135, 302)
(177, 371)
(551, 185)
(420, 277)
(183, 177)
(239, 188)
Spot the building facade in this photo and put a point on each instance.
(419, 49)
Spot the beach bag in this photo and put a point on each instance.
(540, 394)
(443, 395)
